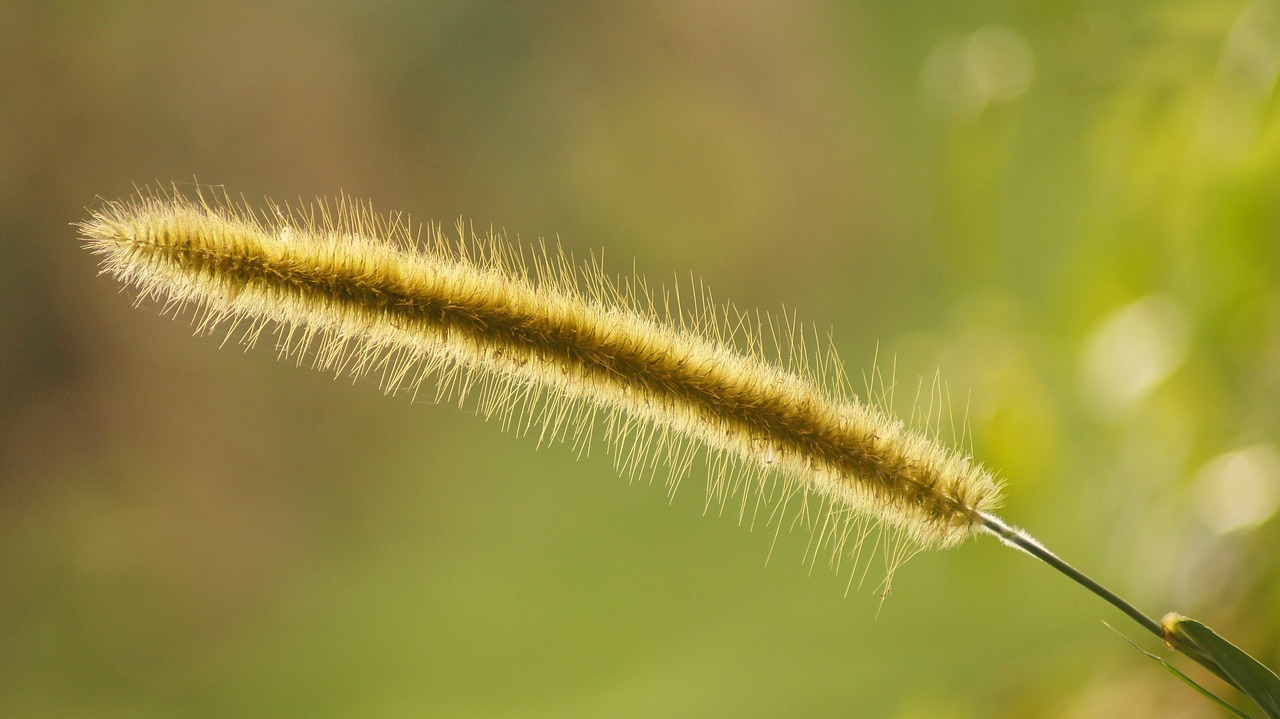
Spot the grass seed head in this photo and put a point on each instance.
(541, 343)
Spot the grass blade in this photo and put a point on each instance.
(1224, 659)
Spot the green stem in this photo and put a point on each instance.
(1019, 539)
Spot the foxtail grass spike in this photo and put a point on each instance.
(544, 344)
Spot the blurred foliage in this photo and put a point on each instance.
(1070, 210)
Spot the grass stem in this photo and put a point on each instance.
(1021, 540)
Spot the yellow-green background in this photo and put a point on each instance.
(983, 189)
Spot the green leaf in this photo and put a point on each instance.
(1185, 679)
(1224, 659)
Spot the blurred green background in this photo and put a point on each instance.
(1068, 209)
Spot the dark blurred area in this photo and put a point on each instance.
(1068, 210)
